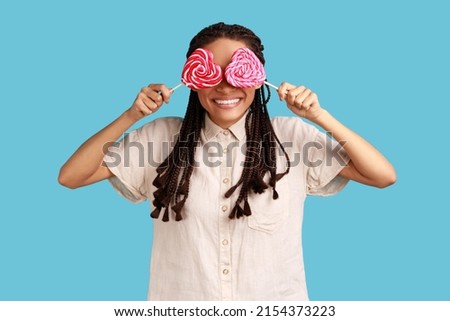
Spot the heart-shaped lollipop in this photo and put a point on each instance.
(200, 71)
(245, 69)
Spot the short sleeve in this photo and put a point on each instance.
(324, 159)
(133, 159)
(125, 160)
(319, 155)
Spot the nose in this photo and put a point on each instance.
(224, 86)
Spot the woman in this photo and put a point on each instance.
(227, 183)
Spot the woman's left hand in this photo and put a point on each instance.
(301, 100)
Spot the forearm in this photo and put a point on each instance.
(85, 165)
(87, 159)
(374, 168)
(367, 165)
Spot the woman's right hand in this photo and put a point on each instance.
(149, 100)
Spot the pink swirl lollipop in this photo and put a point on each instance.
(245, 69)
(200, 71)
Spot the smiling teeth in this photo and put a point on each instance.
(226, 102)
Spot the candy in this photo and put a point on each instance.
(245, 69)
(200, 71)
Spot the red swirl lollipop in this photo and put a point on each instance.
(245, 69)
(200, 71)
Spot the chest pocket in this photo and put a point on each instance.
(268, 214)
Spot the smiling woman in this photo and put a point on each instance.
(239, 238)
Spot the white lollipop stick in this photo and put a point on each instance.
(270, 85)
(176, 87)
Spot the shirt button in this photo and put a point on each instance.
(225, 271)
(225, 180)
(226, 132)
(224, 208)
(225, 242)
(225, 150)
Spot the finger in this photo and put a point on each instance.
(162, 90)
(283, 90)
(154, 94)
(315, 104)
(293, 94)
(155, 87)
(300, 98)
(166, 93)
(148, 102)
(142, 108)
(310, 100)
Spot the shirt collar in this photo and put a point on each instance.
(237, 129)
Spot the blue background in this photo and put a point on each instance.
(69, 68)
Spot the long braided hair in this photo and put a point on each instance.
(173, 174)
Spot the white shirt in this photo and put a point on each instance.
(207, 256)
